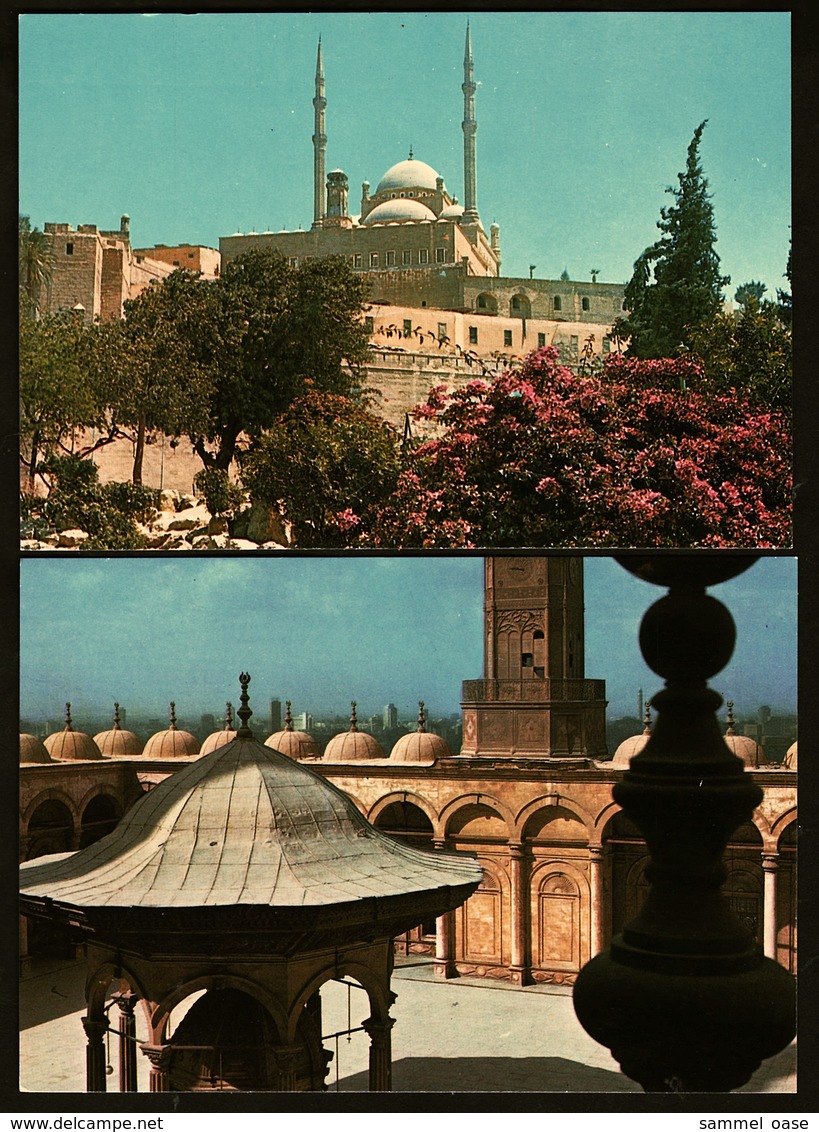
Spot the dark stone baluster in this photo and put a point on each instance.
(684, 998)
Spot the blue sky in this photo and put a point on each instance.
(323, 631)
(200, 125)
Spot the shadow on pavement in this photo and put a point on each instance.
(494, 1075)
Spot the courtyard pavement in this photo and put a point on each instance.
(462, 1035)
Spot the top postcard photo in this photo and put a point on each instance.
(383, 280)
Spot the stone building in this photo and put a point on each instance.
(529, 794)
(94, 271)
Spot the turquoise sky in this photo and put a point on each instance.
(323, 631)
(200, 125)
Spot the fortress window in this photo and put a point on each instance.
(369, 324)
(515, 303)
(473, 335)
(176, 263)
(574, 344)
(557, 304)
(440, 255)
(541, 341)
(586, 305)
(293, 261)
(423, 255)
(406, 258)
(373, 259)
(442, 330)
(606, 345)
(69, 249)
(357, 259)
(390, 259)
(408, 328)
(507, 337)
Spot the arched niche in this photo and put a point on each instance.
(520, 306)
(486, 303)
(477, 821)
(50, 829)
(555, 825)
(406, 821)
(560, 916)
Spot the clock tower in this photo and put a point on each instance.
(533, 700)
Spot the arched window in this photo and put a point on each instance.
(520, 307)
(557, 303)
(585, 304)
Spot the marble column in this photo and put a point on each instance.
(380, 1053)
(127, 1044)
(519, 967)
(597, 902)
(95, 1077)
(444, 935)
(287, 1061)
(158, 1057)
(770, 865)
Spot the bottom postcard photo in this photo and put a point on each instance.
(503, 824)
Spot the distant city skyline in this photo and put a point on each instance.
(322, 631)
(199, 125)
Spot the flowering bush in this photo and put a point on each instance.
(631, 455)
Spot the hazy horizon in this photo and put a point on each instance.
(322, 631)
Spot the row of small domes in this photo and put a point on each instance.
(745, 748)
(350, 746)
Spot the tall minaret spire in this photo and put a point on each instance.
(319, 143)
(470, 128)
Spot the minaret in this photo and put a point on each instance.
(470, 128)
(319, 143)
(534, 700)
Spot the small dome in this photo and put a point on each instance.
(116, 743)
(219, 738)
(353, 745)
(452, 211)
(410, 174)
(294, 744)
(742, 746)
(70, 745)
(420, 746)
(789, 761)
(32, 749)
(171, 744)
(634, 744)
(399, 210)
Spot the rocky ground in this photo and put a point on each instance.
(181, 522)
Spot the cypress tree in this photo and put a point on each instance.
(676, 283)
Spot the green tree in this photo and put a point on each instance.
(752, 290)
(676, 282)
(750, 353)
(152, 366)
(783, 297)
(34, 263)
(223, 360)
(57, 393)
(328, 466)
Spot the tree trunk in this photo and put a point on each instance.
(32, 468)
(139, 451)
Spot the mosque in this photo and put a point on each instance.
(439, 309)
(528, 796)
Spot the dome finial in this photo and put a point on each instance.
(228, 716)
(173, 716)
(422, 719)
(353, 717)
(68, 726)
(730, 728)
(410, 154)
(288, 718)
(244, 711)
(647, 719)
(116, 718)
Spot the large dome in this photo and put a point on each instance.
(420, 746)
(32, 749)
(399, 211)
(117, 743)
(71, 745)
(294, 744)
(171, 744)
(410, 174)
(353, 745)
